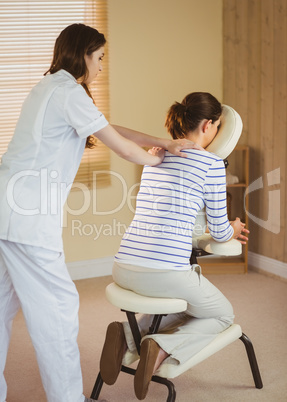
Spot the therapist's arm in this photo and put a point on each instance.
(127, 149)
(145, 140)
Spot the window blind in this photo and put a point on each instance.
(28, 30)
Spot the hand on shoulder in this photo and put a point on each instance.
(176, 146)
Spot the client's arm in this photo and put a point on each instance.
(215, 199)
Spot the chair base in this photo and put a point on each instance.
(170, 386)
(205, 353)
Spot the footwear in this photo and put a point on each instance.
(144, 372)
(113, 352)
(94, 400)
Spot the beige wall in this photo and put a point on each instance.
(159, 51)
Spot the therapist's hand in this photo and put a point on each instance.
(176, 146)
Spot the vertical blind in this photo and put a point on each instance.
(28, 30)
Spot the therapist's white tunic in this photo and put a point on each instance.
(35, 176)
(42, 160)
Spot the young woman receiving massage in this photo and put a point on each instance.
(153, 258)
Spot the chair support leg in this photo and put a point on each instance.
(97, 387)
(252, 361)
(171, 389)
(153, 329)
(131, 316)
(135, 329)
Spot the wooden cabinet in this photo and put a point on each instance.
(237, 206)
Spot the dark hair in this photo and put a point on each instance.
(73, 43)
(185, 116)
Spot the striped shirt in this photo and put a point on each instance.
(169, 199)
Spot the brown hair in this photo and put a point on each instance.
(185, 116)
(73, 43)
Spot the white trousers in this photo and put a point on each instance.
(185, 334)
(36, 280)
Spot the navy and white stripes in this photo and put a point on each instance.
(169, 198)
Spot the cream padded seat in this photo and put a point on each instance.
(130, 301)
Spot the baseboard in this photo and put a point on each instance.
(90, 268)
(103, 267)
(267, 265)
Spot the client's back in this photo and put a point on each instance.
(169, 198)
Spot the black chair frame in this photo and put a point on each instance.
(131, 316)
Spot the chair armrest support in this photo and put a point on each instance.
(209, 245)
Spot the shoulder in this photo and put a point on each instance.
(203, 155)
(64, 82)
(70, 92)
(195, 156)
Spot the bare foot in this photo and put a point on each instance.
(162, 355)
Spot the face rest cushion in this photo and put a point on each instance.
(228, 134)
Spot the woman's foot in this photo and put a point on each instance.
(112, 353)
(149, 362)
(162, 355)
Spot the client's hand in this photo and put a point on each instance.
(239, 231)
(176, 146)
